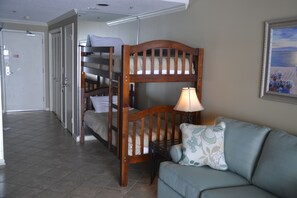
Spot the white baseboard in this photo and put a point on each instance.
(2, 162)
(87, 138)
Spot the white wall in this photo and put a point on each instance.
(232, 32)
(127, 32)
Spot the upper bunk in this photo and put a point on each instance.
(152, 61)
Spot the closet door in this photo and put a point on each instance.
(68, 82)
(23, 70)
(56, 43)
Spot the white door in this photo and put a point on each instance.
(23, 71)
(68, 77)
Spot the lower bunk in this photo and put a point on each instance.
(152, 124)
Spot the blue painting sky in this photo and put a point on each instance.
(284, 39)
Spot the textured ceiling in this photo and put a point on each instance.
(47, 10)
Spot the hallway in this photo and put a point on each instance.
(43, 160)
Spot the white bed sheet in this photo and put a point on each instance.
(98, 122)
(118, 67)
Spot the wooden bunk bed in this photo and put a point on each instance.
(129, 132)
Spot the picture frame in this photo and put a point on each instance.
(279, 71)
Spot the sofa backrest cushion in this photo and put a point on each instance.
(277, 167)
(243, 144)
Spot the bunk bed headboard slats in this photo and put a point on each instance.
(176, 62)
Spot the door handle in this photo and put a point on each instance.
(7, 71)
(65, 85)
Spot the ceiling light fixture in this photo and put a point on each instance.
(92, 8)
(103, 4)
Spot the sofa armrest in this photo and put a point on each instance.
(176, 152)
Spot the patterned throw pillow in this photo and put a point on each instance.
(203, 145)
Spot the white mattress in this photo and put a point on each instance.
(98, 122)
(117, 65)
(157, 63)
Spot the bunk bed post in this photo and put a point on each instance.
(119, 120)
(82, 131)
(125, 114)
(110, 94)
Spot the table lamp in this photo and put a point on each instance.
(188, 102)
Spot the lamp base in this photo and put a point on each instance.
(188, 118)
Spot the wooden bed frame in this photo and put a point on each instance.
(121, 85)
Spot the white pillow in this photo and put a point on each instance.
(101, 103)
(203, 145)
(97, 41)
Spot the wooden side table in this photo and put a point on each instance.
(159, 150)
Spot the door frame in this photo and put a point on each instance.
(3, 102)
(3, 70)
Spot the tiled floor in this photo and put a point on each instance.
(43, 160)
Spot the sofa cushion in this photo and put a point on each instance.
(203, 145)
(243, 143)
(165, 191)
(277, 167)
(235, 192)
(190, 181)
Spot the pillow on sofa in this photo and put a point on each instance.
(203, 145)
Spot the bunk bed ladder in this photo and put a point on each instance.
(116, 87)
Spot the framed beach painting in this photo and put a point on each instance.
(279, 74)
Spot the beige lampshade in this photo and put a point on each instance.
(188, 101)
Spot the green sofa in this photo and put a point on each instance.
(262, 163)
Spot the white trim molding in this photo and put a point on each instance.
(147, 15)
(186, 2)
(2, 162)
(63, 17)
(24, 22)
(87, 138)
